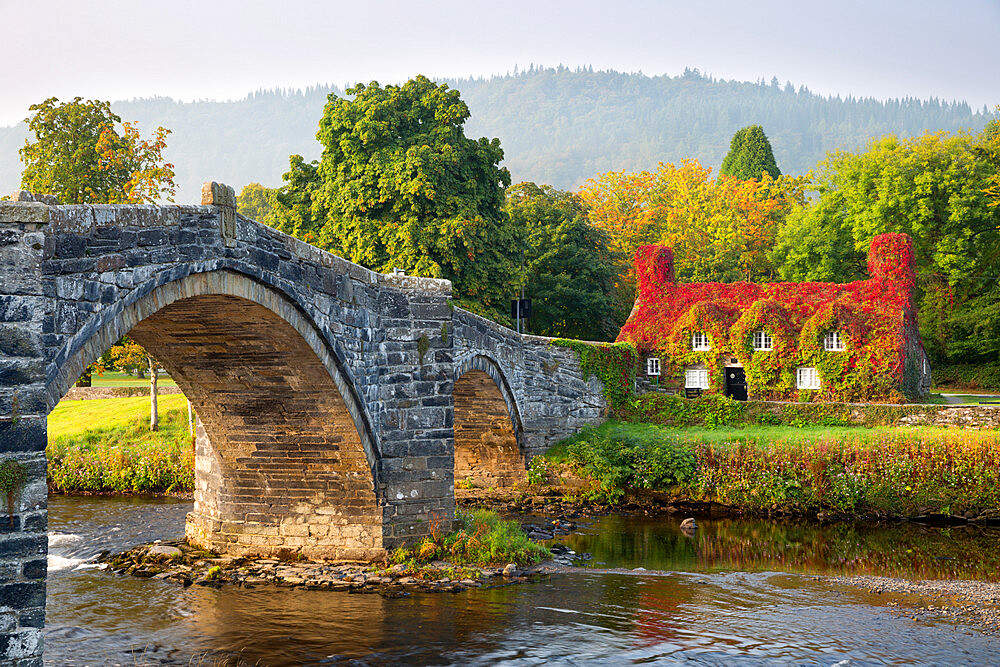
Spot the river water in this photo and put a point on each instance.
(737, 592)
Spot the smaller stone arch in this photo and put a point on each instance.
(489, 446)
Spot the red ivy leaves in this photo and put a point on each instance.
(870, 314)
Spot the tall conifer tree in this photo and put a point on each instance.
(750, 155)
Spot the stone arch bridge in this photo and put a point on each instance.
(336, 405)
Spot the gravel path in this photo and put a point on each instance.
(976, 603)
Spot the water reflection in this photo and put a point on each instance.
(701, 616)
(904, 550)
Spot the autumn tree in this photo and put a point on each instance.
(568, 269)
(127, 355)
(84, 154)
(720, 229)
(988, 150)
(400, 185)
(932, 187)
(750, 155)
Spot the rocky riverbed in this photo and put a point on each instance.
(177, 561)
(976, 603)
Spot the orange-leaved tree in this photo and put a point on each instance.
(720, 229)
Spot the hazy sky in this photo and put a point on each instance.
(200, 49)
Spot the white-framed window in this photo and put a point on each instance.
(807, 378)
(833, 342)
(762, 341)
(696, 378)
(699, 341)
(653, 366)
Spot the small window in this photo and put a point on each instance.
(653, 366)
(807, 378)
(696, 378)
(699, 341)
(832, 342)
(762, 341)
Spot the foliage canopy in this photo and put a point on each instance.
(399, 185)
(750, 155)
(568, 269)
(80, 156)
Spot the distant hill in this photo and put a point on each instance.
(557, 126)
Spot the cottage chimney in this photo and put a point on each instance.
(890, 258)
(654, 269)
(890, 261)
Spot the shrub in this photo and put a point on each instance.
(482, 538)
(898, 471)
(125, 459)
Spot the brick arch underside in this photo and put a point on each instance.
(487, 448)
(280, 467)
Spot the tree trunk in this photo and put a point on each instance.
(154, 415)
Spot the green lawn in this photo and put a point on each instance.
(76, 417)
(105, 446)
(118, 379)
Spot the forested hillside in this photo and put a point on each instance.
(557, 126)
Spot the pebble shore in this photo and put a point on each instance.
(976, 603)
(179, 562)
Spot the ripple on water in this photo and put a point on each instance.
(718, 612)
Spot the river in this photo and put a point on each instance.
(737, 592)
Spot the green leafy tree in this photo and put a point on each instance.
(255, 201)
(749, 155)
(930, 187)
(400, 185)
(569, 271)
(296, 208)
(84, 154)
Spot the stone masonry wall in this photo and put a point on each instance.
(23, 532)
(326, 391)
(552, 399)
(486, 449)
(97, 393)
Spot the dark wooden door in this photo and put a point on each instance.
(736, 383)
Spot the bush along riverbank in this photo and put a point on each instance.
(482, 550)
(120, 456)
(898, 472)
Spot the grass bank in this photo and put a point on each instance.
(119, 379)
(898, 471)
(105, 446)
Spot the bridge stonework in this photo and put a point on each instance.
(333, 402)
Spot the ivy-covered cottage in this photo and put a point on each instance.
(783, 341)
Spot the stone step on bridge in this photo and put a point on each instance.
(336, 406)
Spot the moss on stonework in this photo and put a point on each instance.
(614, 363)
(13, 475)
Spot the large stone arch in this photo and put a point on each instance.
(286, 460)
(489, 445)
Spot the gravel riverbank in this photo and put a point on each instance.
(976, 603)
